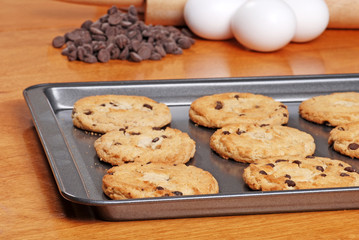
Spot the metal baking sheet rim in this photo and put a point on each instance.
(201, 205)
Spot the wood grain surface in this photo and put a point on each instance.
(30, 204)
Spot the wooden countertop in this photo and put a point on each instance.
(30, 204)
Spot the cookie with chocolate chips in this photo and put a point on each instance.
(218, 110)
(157, 180)
(332, 110)
(292, 173)
(345, 139)
(145, 144)
(250, 143)
(104, 113)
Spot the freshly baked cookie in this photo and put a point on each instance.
(299, 173)
(145, 144)
(250, 143)
(157, 180)
(105, 113)
(332, 109)
(215, 111)
(345, 139)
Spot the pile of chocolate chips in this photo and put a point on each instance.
(121, 35)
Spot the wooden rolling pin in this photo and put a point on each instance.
(343, 13)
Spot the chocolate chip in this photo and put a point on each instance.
(310, 156)
(112, 10)
(81, 53)
(184, 42)
(177, 193)
(159, 188)
(103, 56)
(159, 49)
(117, 144)
(87, 24)
(353, 146)
(239, 132)
(113, 104)
(288, 176)
(147, 106)
(135, 44)
(144, 52)
(263, 172)
(125, 53)
(121, 40)
(270, 164)
(130, 161)
(170, 46)
(96, 31)
(58, 42)
(90, 59)
(134, 133)
(349, 169)
(88, 112)
(177, 51)
(264, 125)
(323, 175)
(226, 132)
(135, 57)
(111, 32)
(344, 175)
(219, 105)
(281, 160)
(115, 53)
(283, 106)
(115, 18)
(156, 139)
(319, 168)
(290, 183)
(297, 162)
(155, 56)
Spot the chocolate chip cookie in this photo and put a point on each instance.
(332, 110)
(345, 139)
(218, 110)
(105, 113)
(145, 144)
(157, 180)
(299, 173)
(250, 143)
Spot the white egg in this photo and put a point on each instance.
(264, 25)
(210, 19)
(312, 18)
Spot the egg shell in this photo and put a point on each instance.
(312, 18)
(210, 19)
(264, 25)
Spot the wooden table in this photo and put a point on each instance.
(30, 205)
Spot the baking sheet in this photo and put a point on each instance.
(78, 171)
